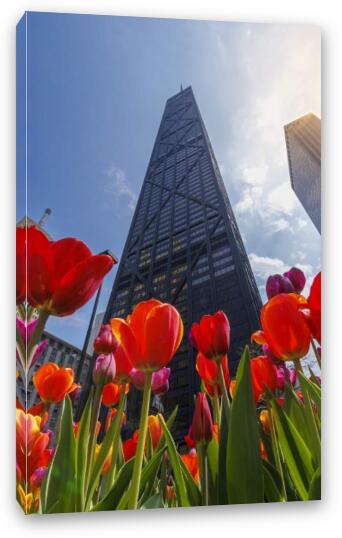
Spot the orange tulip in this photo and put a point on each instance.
(111, 393)
(53, 383)
(284, 328)
(264, 419)
(155, 430)
(263, 450)
(264, 373)
(232, 387)
(208, 371)
(148, 338)
(31, 443)
(191, 462)
(211, 336)
(110, 416)
(216, 432)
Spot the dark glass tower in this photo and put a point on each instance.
(184, 247)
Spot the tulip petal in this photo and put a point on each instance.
(79, 284)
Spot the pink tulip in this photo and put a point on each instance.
(104, 370)
(160, 380)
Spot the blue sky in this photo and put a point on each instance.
(97, 87)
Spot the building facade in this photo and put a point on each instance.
(303, 143)
(184, 247)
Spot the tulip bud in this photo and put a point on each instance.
(104, 370)
(74, 394)
(159, 384)
(137, 378)
(37, 477)
(276, 284)
(160, 381)
(105, 342)
(202, 424)
(297, 279)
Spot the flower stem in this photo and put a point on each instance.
(92, 432)
(225, 398)
(135, 486)
(318, 358)
(203, 469)
(316, 441)
(276, 451)
(216, 405)
(112, 470)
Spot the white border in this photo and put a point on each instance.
(312, 519)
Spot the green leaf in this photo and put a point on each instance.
(58, 489)
(313, 390)
(298, 457)
(112, 434)
(272, 483)
(156, 501)
(182, 496)
(82, 442)
(294, 409)
(149, 472)
(213, 457)
(111, 501)
(315, 486)
(245, 477)
(222, 462)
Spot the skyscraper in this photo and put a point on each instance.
(184, 247)
(303, 143)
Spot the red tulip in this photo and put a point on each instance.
(105, 342)
(284, 328)
(189, 440)
(53, 383)
(314, 314)
(211, 336)
(61, 275)
(202, 424)
(150, 336)
(264, 373)
(129, 447)
(208, 372)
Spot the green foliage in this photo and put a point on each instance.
(58, 490)
(245, 478)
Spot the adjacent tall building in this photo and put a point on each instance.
(184, 247)
(303, 143)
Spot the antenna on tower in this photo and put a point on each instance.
(45, 215)
(181, 87)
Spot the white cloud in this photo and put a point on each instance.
(282, 199)
(255, 175)
(119, 186)
(263, 266)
